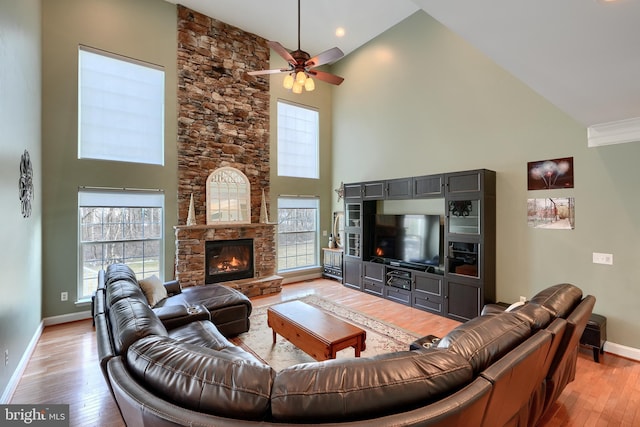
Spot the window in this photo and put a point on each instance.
(120, 108)
(228, 197)
(118, 227)
(297, 141)
(297, 233)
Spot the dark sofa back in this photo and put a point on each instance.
(366, 387)
(559, 299)
(485, 339)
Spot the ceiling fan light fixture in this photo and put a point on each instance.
(309, 84)
(297, 88)
(301, 77)
(288, 81)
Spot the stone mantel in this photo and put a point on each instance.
(222, 226)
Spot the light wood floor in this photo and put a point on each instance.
(64, 367)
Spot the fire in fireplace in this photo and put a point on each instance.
(228, 260)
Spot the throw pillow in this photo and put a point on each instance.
(153, 289)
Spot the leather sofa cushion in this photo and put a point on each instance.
(362, 388)
(485, 339)
(130, 320)
(205, 334)
(214, 297)
(122, 289)
(202, 379)
(559, 299)
(117, 272)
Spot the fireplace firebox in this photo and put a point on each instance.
(228, 260)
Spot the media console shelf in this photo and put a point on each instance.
(467, 280)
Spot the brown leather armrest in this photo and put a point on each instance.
(173, 287)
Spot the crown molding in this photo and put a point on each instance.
(617, 132)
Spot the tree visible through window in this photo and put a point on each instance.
(118, 227)
(297, 233)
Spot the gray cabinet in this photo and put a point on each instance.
(468, 279)
(373, 190)
(428, 292)
(429, 186)
(332, 263)
(399, 189)
(470, 242)
(373, 278)
(352, 192)
(352, 273)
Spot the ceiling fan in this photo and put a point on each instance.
(302, 66)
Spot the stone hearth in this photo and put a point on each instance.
(190, 255)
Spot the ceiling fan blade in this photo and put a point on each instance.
(326, 77)
(282, 51)
(325, 57)
(274, 71)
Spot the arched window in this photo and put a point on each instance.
(228, 197)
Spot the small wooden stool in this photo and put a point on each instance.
(595, 334)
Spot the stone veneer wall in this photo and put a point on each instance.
(223, 120)
(223, 113)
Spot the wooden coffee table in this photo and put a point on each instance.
(317, 333)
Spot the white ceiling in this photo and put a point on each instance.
(581, 55)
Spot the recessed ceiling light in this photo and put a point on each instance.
(340, 32)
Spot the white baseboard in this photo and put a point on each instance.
(622, 350)
(300, 278)
(22, 365)
(66, 318)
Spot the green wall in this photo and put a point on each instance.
(419, 100)
(21, 260)
(141, 29)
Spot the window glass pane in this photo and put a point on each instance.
(297, 141)
(120, 108)
(297, 233)
(109, 234)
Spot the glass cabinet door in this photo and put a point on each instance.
(353, 229)
(464, 216)
(462, 258)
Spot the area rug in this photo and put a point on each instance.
(381, 336)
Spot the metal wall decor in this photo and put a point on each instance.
(25, 184)
(460, 207)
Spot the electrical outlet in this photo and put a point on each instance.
(599, 258)
(523, 299)
(6, 357)
(64, 296)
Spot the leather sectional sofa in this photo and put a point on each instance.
(501, 368)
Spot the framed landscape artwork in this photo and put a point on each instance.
(553, 213)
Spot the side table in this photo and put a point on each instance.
(595, 334)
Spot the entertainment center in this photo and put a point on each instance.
(441, 262)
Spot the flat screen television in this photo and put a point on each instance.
(415, 241)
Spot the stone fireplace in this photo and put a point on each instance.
(191, 242)
(223, 121)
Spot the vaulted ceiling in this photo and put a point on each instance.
(581, 55)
